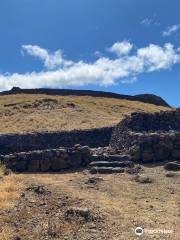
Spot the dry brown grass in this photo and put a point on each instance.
(10, 188)
(6, 234)
(27, 113)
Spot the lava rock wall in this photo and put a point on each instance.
(48, 160)
(149, 137)
(11, 143)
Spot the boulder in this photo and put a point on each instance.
(106, 170)
(117, 157)
(82, 214)
(172, 166)
(86, 155)
(84, 149)
(143, 179)
(135, 152)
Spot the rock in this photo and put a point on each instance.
(176, 153)
(135, 152)
(84, 149)
(118, 170)
(95, 170)
(94, 180)
(172, 166)
(45, 165)
(77, 146)
(112, 164)
(106, 170)
(37, 189)
(118, 157)
(75, 159)
(17, 238)
(170, 174)
(135, 170)
(58, 164)
(33, 166)
(21, 166)
(162, 152)
(147, 157)
(85, 155)
(78, 214)
(96, 157)
(7, 171)
(143, 179)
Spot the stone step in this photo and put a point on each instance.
(121, 164)
(106, 170)
(111, 158)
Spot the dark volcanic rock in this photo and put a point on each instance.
(149, 137)
(106, 170)
(11, 143)
(48, 160)
(172, 166)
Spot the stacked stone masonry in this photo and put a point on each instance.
(48, 160)
(149, 137)
(11, 143)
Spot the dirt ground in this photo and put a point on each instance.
(112, 205)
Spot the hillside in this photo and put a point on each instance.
(146, 98)
(42, 112)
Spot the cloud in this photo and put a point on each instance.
(51, 61)
(157, 58)
(171, 30)
(104, 71)
(147, 22)
(121, 48)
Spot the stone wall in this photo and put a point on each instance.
(153, 147)
(149, 137)
(150, 122)
(48, 160)
(10, 143)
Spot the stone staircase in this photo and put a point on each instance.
(110, 163)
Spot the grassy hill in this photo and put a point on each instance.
(40, 112)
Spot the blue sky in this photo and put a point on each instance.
(124, 46)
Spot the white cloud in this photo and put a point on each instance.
(156, 58)
(147, 22)
(121, 48)
(51, 61)
(171, 30)
(104, 71)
